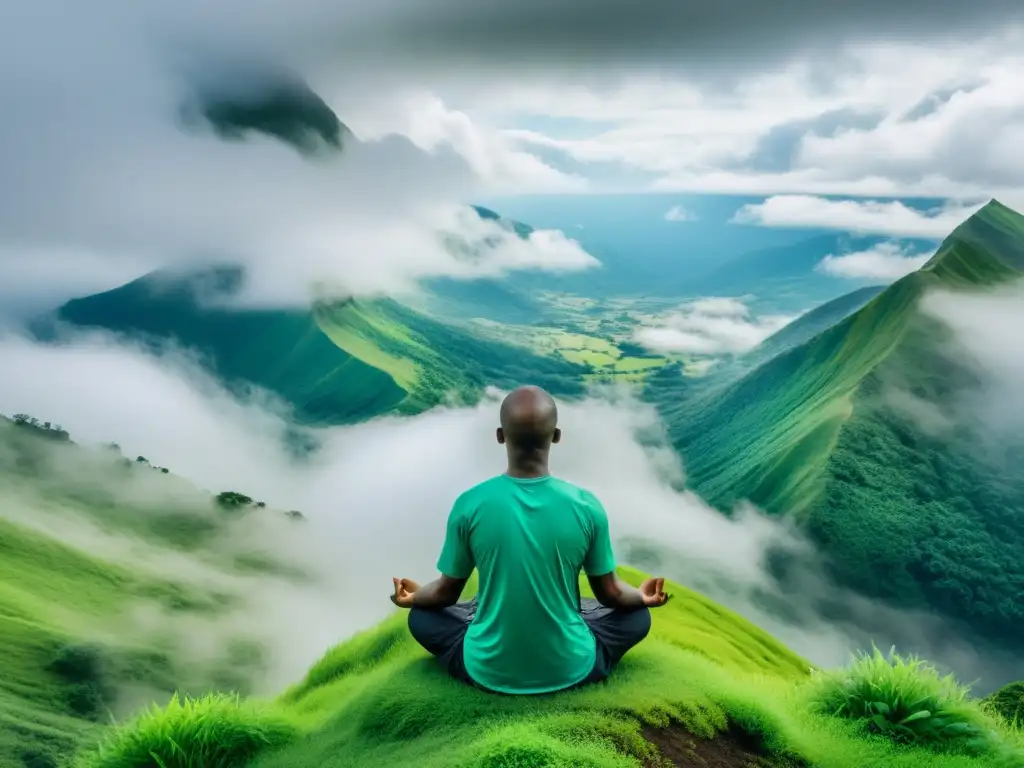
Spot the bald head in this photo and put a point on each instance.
(529, 420)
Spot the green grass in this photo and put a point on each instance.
(810, 324)
(908, 701)
(51, 595)
(365, 333)
(71, 649)
(215, 731)
(704, 673)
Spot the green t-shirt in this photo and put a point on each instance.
(528, 539)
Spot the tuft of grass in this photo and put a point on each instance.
(214, 731)
(908, 701)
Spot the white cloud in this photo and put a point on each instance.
(873, 118)
(433, 240)
(892, 218)
(678, 213)
(885, 261)
(429, 123)
(711, 326)
(985, 328)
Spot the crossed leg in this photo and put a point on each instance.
(442, 633)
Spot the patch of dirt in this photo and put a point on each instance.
(734, 748)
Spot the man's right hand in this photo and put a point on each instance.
(405, 591)
(653, 592)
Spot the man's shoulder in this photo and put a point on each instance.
(499, 484)
(576, 492)
(480, 491)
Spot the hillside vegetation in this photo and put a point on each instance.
(338, 362)
(833, 432)
(83, 635)
(706, 688)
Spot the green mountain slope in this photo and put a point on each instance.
(75, 648)
(339, 362)
(810, 324)
(283, 351)
(818, 432)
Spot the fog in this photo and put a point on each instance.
(711, 326)
(376, 497)
(104, 179)
(985, 327)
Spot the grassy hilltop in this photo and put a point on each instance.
(819, 432)
(707, 688)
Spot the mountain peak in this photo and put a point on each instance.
(986, 248)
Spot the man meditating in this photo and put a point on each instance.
(528, 534)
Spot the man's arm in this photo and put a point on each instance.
(613, 592)
(440, 593)
(456, 559)
(599, 565)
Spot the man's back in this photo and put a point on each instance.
(528, 539)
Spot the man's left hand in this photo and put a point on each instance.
(405, 591)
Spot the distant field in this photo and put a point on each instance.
(367, 334)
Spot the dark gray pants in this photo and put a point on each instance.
(442, 633)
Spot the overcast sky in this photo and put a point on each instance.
(455, 100)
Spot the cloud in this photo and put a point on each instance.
(430, 124)
(678, 213)
(106, 157)
(711, 326)
(893, 218)
(376, 496)
(983, 325)
(602, 34)
(874, 118)
(885, 261)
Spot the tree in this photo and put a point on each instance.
(233, 500)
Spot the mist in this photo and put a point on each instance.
(111, 170)
(985, 337)
(376, 496)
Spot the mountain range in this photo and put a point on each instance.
(831, 433)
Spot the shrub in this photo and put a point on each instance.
(907, 700)
(82, 669)
(1008, 703)
(35, 758)
(215, 731)
(232, 500)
